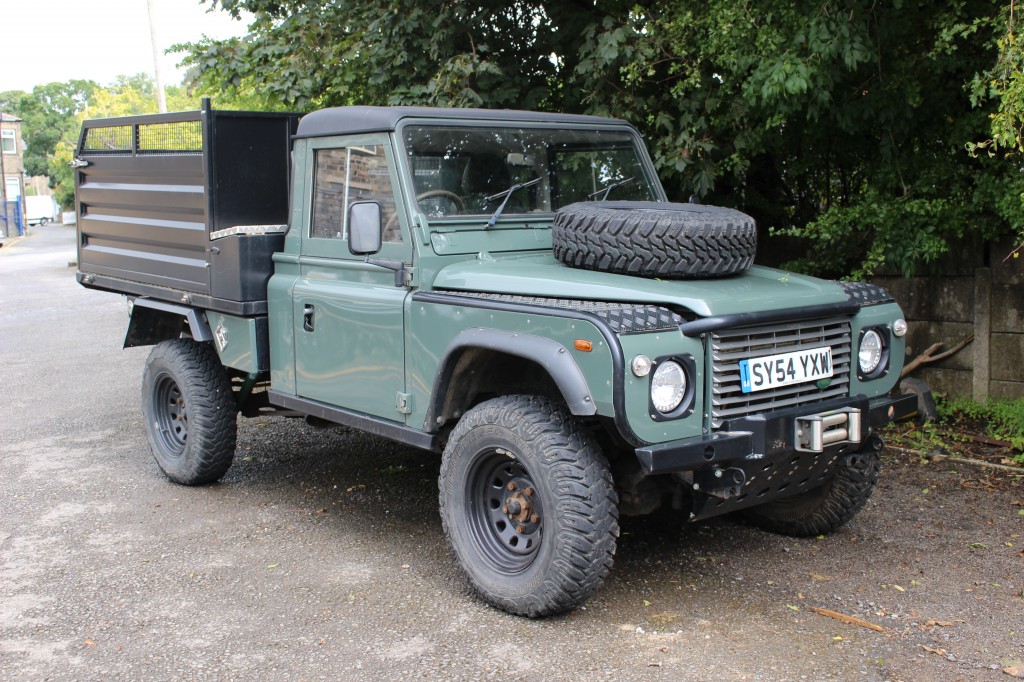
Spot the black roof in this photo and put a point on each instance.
(350, 120)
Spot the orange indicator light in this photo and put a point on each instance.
(583, 345)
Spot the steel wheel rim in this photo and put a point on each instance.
(505, 513)
(171, 416)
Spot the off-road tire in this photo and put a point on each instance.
(826, 508)
(528, 566)
(651, 239)
(189, 411)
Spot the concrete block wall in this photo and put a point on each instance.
(988, 303)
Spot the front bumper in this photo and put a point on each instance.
(758, 458)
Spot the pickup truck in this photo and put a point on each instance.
(509, 289)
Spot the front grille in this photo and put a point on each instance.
(728, 401)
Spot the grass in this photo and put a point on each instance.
(967, 427)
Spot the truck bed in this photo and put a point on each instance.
(186, 207)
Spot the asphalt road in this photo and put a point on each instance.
(320, 555)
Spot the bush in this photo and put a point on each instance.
(1000, 419)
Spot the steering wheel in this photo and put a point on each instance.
(444, 194)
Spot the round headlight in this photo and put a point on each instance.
(668, 386)
(870, 352)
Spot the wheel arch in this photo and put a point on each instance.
(462, 377)
(152, 321)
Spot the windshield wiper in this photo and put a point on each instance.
(604, 191)
(507, 193)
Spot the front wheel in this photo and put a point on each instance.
(829, 506)
(189, 411)
(528, 506)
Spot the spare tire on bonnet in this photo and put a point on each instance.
(654, 239)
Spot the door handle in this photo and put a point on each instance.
(307, 317)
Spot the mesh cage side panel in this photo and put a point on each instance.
(178, 137)
(108, 140)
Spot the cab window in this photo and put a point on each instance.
(344, 176)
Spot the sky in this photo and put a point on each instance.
(61, 40)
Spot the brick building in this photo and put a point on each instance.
(12, 168)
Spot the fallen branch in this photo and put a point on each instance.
(929, 355)
(842, 617)
(940, 456)
(982, 463)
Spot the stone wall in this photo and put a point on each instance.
(988, 303)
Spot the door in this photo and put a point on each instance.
(348, 314)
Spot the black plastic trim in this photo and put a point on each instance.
(618, 362)
(197, 324)
(549, 354)
(123, 286)
(712, 324)
(883, 363)
(685, 407)
(357, 420)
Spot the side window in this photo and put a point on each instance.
(344, 176)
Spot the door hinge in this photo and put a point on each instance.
(403, 402)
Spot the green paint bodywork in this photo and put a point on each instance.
(879, 316)
(431, 328)
(655, 345)
(377, 351)
(755, 290)
(243, 344)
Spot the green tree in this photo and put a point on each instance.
(840, 123)
(53, 114)
(49, 113)
(304, 55)
(10, 101)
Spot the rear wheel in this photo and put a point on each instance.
(829, 506)
(528, 506)
(189, 412)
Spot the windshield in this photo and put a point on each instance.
(471, 170)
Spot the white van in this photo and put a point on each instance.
(40, 210)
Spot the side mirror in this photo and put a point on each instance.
(364, 228)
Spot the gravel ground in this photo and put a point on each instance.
(320, 555)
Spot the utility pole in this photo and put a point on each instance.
(161, 96)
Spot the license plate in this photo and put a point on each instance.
(784, 369)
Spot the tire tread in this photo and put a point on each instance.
(670, 241)
(586, 512)
(212, 430)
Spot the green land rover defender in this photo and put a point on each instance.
(509, 289)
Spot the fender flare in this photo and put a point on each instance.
(552, 356)
(155, 321)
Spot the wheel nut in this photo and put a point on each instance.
(511, 485)
(520, 530)
(529, 491)
(535, 518)
(504, 510)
